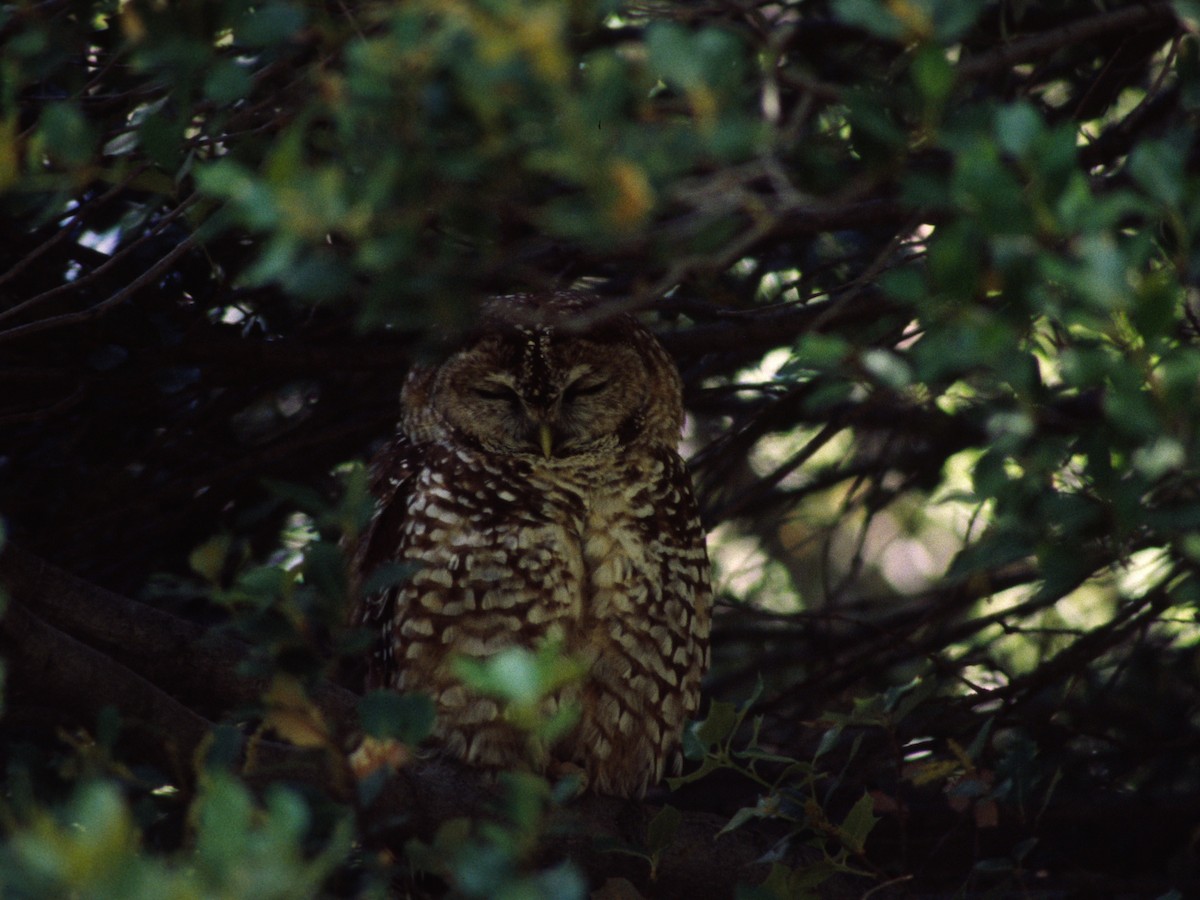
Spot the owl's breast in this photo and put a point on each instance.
(645, 575)
(496, 542)
(616, 558)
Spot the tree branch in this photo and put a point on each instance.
(175, 657)
(1044, 43)
(84, 681)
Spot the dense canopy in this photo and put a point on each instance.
(926, 267)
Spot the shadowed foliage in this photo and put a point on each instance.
(926, 268)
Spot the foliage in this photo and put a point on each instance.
(929, 271)
(794, 791)
(493, 859)
(93, 848)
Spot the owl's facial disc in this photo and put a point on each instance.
(566, 410)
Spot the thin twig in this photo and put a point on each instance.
(1043, 44)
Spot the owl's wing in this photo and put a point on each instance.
(393, 473)
(686, 576)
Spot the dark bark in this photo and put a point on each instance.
(79, 648)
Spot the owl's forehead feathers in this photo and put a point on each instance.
(538, 337)
(536, 372)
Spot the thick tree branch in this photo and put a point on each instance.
(82, 680)
(200, 666)
(108, 304)
(1042, 44)
(165, 656)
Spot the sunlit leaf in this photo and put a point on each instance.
(293, 716)
(858, 824)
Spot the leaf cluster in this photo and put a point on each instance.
(929, 271)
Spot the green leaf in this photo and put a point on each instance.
(817, 351)
(403, 717)
(858, 824)
(519, 675)
(1129, 407)
(512, 674)
(740, 818)
(66, 134)
(1102, 276)
(227, 82)
(321, 275)
(980, 742)
(1188, 64)
(933, 75)
(873, 17)
(953, 18)
(784, 883)
(208, 560)
(692, 60)
(890, 369)
(252, 200)
(905, 284)
(662, 829)
(287, 818)
(223, 824)
(270, 24)
(1158, 166)
(1017, 128)
(763, 756)
(559, 724)
(389, 575)
(325, 569)
(562, 882)
(718, 725)
(708, 765)
(828, 741)
(876, 134)
(161, 138)
(903, 699)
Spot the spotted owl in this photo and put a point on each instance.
(536, 490)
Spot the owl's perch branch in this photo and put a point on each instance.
(81, 648)
(81, 680)
(202, 667)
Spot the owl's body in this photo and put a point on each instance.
(537, 489)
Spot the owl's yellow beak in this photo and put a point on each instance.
(546, 438)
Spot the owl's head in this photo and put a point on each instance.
(547, 376)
